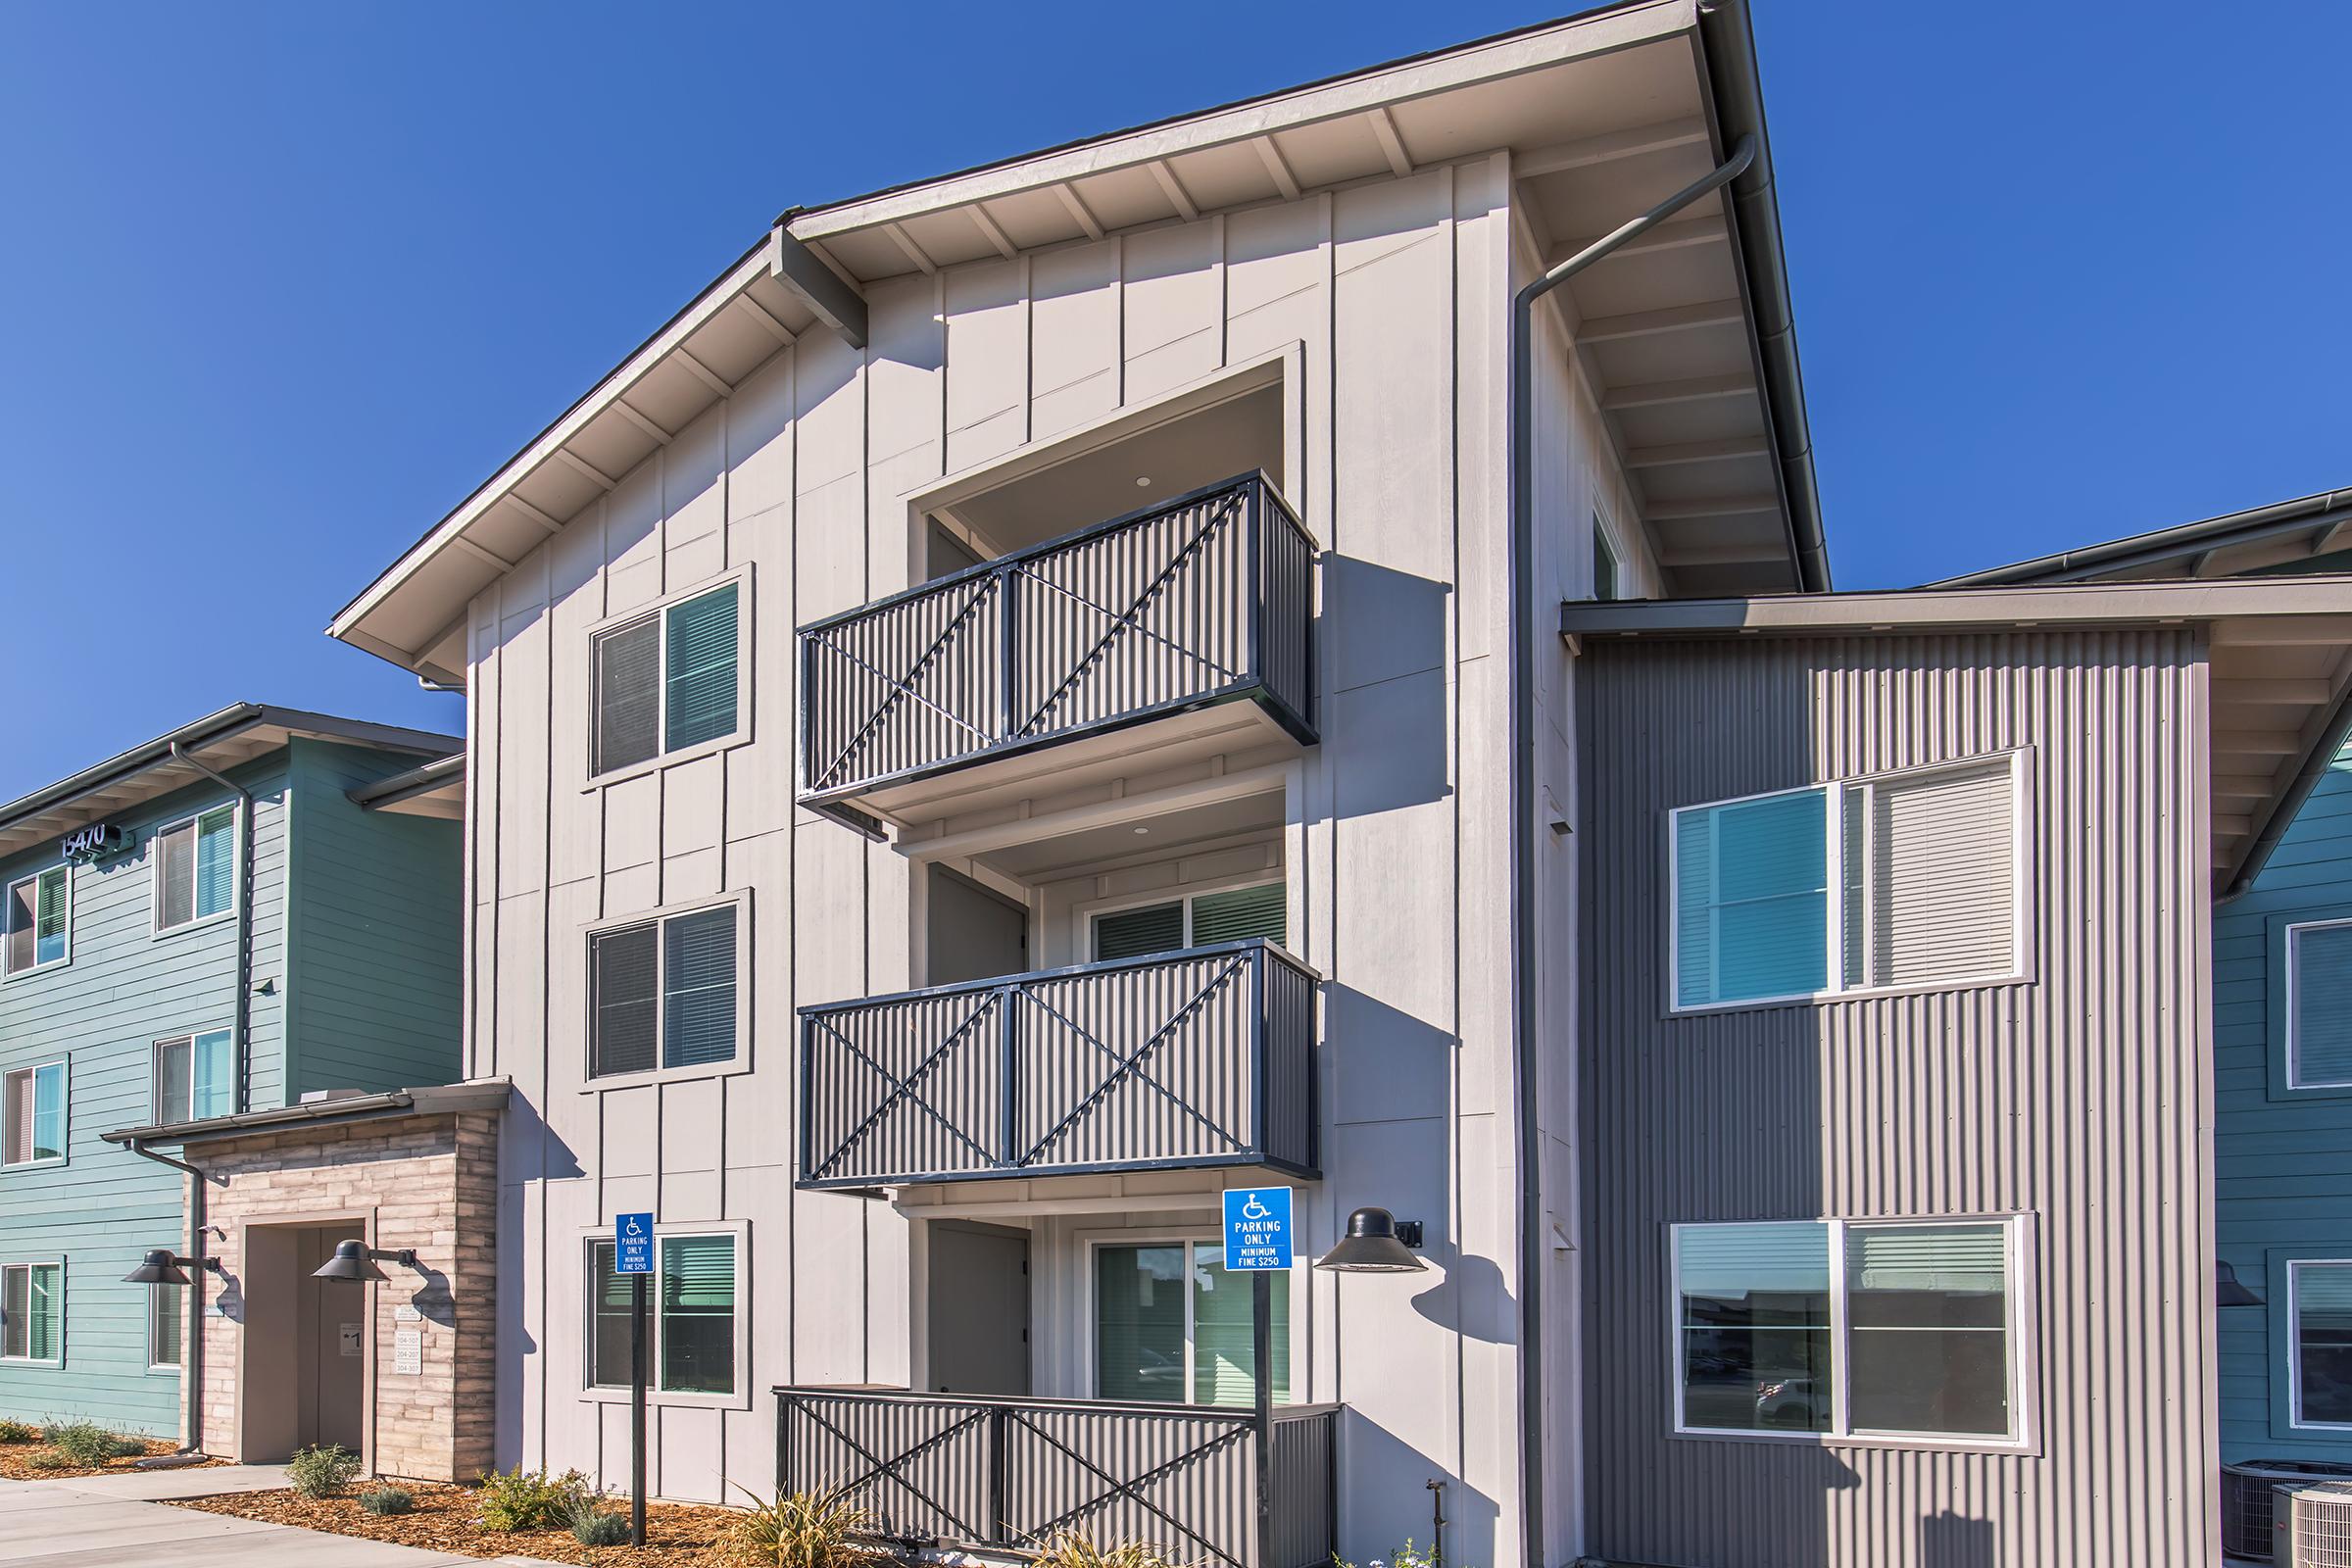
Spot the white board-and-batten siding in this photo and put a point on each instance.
(1390, 300)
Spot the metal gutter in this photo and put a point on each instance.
(247, 832)
(2256, 523)
(210, 730)
(436, 774)
(1729, 47)
(439, 1099)
(1525, 955)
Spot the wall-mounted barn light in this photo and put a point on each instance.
(354, 1262)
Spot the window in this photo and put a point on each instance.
(2318, 1004)
(1911, 879)
(40, 910)
(167, 1316)
(2320, 1378)
(1604, 561)
(33, 1115)
(194, 1077)
(1194, 921)
(662, 992)
(665, 681)
(691, 1297)
(1171, 1326)
(195, 877)
(32, 1312)
(1848, 1329)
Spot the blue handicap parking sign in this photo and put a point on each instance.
(633, 1243)
(1257, 1228)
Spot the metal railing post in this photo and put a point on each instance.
(1000, 1464)
(1008, 1078)
(1008, 695)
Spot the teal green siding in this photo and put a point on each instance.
(375, 934)
(356, 932)
(2282, 1158)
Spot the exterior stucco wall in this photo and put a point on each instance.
(2082, 1098)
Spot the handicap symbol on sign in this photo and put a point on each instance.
(630, 1227)
(1253, 1209)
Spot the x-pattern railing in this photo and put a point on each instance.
(1163, 1059)
(1177, 606)
(894, 1470)
(1115, 1490)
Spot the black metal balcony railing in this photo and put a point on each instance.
(1177, 1060)
(975, 1471)
(1201, 600)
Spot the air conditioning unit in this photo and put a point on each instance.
(2246, 1502)
(2313, 1525)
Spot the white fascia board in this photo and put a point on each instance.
(712, 300)
(1626, 29)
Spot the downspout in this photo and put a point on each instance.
(1523, 820)
(192, 1439)
(246, 834)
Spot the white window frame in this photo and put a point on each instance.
(65, 1107)
(1089, 1324)
(155, 1068)
(2294, 1075)
(155, 1294)
(2021, 933)
(2016, 1331)
(592, 1083)
(1085, 914)
(1604, 540)
(155, 929)
(595, 1392)
(740, 735)
(28, 1263)
(37, 966)
(2294, 1344)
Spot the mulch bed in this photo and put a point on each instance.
(445, 1519)
(16, 1462)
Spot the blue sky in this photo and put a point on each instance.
(283, 284)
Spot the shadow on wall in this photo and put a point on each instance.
(1949, 1540)
(1471, 1516)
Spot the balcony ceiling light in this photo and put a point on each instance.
(1143, 481)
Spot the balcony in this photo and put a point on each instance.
(1190, 620)
(1180, 1061)
(987, 1473)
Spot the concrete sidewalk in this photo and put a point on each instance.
(117, 1521)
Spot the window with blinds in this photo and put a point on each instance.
(1172, 1327)
(666, 682)
(33, 1114)
(2320, 1309)
(195, 869)
(166, 1319)
(32, 1312)
(1843, 1327)
(691, 1307)
(1193, 921)
(194, 1077)
(662, 993)
(2318, 1004)
(1905, 881)
(37, 913)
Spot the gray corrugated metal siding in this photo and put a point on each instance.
(2082, 1097)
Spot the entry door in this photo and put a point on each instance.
(979, 1301)
(975, 934)
(334, 1321)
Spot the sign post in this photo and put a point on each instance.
(1258, 1243)
(633, 1255)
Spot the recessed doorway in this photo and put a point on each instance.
(305, 1367)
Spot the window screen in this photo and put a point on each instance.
(32, 1101)
(698, 988)
(1942, 885)
(195, 869)
(1224, 1333)
(700, 672)
(35, 917)
(167, 1318)
(2318, 1024)
(623, 974)
(1140, 1313)
(1926, 1311)
(1752, 894)
(32, 1311)
(629, 694)
(2323, 1306)
(1133, 933)
(194, 1077)
(1242, 912)
(1756, 1329)
(698, 1314)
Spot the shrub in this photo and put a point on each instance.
(48, 1460)
(1407, 1555)
(17, 1431)
(387, 1498)
(591, 1523)
(528, 1500)
(89, 1445)
(321, 1471)
(1069, 1550)
(800, 1530)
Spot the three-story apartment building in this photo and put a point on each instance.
(205, 926)
(1026, 703)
